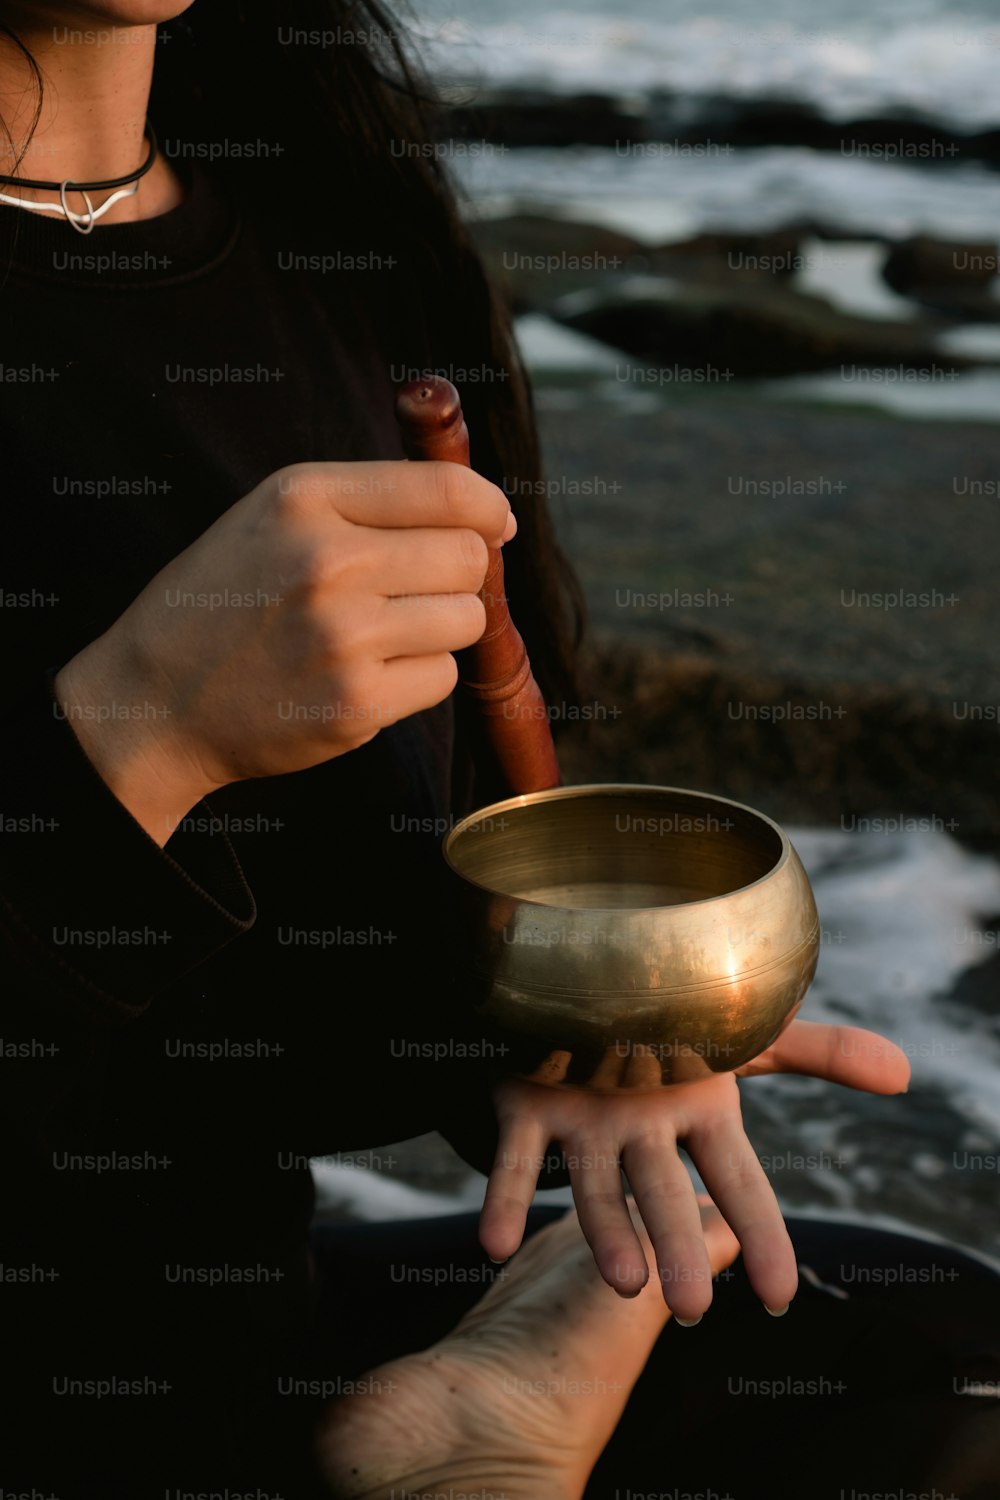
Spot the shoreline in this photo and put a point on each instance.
(698, 124)
(840, 709)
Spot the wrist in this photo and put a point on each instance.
(128, 731)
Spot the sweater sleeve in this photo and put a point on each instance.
(95, 919)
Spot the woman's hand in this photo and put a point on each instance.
(317, 610)
(602, 1134)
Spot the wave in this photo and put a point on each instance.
(852, 60)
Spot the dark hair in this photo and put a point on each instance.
(15, 157)
(355, 121)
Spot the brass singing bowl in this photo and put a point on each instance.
(627, 937)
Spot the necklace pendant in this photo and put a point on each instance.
(77, 220)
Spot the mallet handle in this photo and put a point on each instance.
(496, 670)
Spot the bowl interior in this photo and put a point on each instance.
(601, 848)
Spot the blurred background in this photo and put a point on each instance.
(753, 256)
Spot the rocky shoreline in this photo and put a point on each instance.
(735, 301)
(824, 649)
(699, 123)
(895, 762)
(790, 604)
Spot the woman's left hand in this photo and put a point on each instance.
(602, 1134)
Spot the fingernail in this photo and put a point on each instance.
(689, 1322)
(510, 528)
(776, 1312)
(499, 1262)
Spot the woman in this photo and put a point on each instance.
(227, 585)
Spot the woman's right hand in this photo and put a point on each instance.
(322, 607)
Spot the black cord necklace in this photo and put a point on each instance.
(82, 223)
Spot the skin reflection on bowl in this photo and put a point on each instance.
(625, 937)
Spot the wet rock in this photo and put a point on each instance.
(889, 748)
(534, 117)
(537, 259)
(721, 120)
(529, 117)
(541, 235)
(726, 562)
(718, 255)
(951, 275)
(730, 297)
(746, 331)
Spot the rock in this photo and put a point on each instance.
(720, 119)
(705, 123)
(736, 330)
(894, 138)
(538, 234)
(729, 297)
(926, 262)
(711, 256)
(702, 592)
(890, 749)
(530, 117)
(985, 144)
(951, 275)
(538, 259)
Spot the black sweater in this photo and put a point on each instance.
(180, 1025)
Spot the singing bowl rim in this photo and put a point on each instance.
(554, 794)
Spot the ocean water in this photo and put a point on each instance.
(849, 57)
(669, 197)
(911, 949)
(938, 57)
(666, 199)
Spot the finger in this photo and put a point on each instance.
(849, 1055)
(738, 1183)
(608, 1072)
(428, 560)
(721, 1244)
(643, 1070)
(391, 691)
(511, 1186)
(406, 685)
(553, 1068)
(599, 1195)
(394, 494)
(423, 624)
(665, 1195)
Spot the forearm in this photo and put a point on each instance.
(124, 724)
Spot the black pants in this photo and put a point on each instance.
(891, 1390)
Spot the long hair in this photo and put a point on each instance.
(316, 109)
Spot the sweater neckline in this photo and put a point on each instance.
(188, 240)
